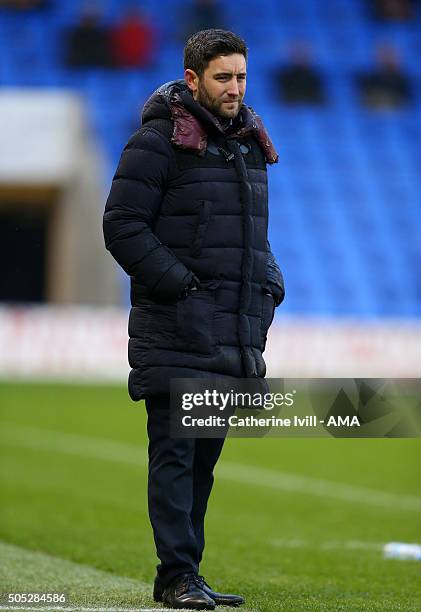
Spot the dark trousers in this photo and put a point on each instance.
(179, 484)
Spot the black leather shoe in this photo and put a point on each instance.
(220, 599)
(184, 592)
(158, 589)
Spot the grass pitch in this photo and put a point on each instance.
(292, 524)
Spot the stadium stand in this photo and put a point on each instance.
(345, 198)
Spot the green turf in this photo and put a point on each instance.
(293, 524)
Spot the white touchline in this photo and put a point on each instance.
(135, 455)
(84, 609)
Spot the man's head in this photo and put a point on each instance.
(215, 63)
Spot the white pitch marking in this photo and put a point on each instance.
(295, 483)
(73, 444)
(83, 609)
(135, 455)
(35, 567)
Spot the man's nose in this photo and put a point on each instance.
(234, 90)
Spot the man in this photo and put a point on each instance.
(386, 86)
(299, 82)
(132, 40)
(87, 43)
(187, 220)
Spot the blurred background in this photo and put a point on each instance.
(338, 85)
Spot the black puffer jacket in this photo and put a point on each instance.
(189, 201)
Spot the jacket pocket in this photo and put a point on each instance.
(195, 319)
(268, 312)
(203, 217)
(154, 325)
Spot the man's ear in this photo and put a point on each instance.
(191, 79)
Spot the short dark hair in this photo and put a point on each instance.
(205, 45)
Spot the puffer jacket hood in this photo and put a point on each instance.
(193, 123)
(158, 105)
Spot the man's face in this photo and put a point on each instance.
(222, 86)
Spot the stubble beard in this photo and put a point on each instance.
(216, 107)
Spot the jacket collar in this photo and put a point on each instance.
(193, 123)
